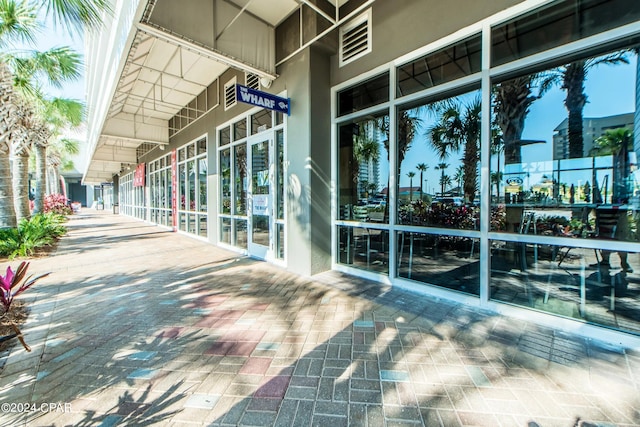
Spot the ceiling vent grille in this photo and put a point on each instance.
(355, 38)
(252, 81)
(230, 94)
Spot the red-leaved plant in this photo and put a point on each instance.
(13, 284)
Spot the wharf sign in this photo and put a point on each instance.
(263, 99)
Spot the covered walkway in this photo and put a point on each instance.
(137, 325)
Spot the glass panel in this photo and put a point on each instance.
(240, 233)
(202, 185)
(182, 222)
(181, 155)
(448, 261)
(558, 23)
(279, 118)
(224, 136)
(225, 230)
(202, 146)
(260, 190)
(364, 248)
(372, 92)
(202, 225)
(448, 64)
(225, 181)
(363, 168)
(279, 174)
(192, 224)
(182, 186)
(562, 166)
(191, 171)
(260, 121)
(191, 151)
(438, 156)
(280, 242)
(593, 285)
(240, 179)
(240, 129)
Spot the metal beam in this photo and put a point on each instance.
(204, 51)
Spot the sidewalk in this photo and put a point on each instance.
(140, 326)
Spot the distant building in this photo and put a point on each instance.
(592, 129)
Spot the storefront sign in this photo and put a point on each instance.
(138, 176)
(263, 99)
(261, 204)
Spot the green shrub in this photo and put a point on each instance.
(31, 234)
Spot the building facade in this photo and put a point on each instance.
(357, 94)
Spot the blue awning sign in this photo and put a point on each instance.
(263, 99)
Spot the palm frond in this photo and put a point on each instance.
(18, 22)
(77, 15)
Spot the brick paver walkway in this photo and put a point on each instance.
(140, 326)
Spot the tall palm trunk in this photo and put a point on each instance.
(511, 106)
(41, 177)
(7, 120)
(575, 101)
(21, 185)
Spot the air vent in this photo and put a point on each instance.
(230, 94)
(355, 38)
(252, 81)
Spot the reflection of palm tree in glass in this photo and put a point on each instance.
(573, 77)
(372, 188)
(511, 102)
(496, 178)
(422, 167)
(365, 149)
(442, 167)
(445, 181)
(617, 143)
(411, 175)
(459, 126)
(458, 177)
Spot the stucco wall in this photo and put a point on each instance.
(401, 26)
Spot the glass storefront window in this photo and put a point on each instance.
(593, 285)
(438, 155)
(241, 184)
(448, 261)
(202, 185)
(225, 173)
(260, 121)
(562, 166)
(240, 129)
(224, 136)
(363, 170)
(364, 248)
(460, 60)
(367, 94)
(559, 23)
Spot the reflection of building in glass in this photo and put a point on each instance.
(592, 129)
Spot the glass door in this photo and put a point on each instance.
(261, 198)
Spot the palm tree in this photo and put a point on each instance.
(21, 144)
(445, 181)
(411, 175)
(8, 119)
(19, 22)
(459, 126)
(617, 143)
(442, 167)
(58, 160)
(422, 167)
(571, 78)
(496, 178)
(459, 176)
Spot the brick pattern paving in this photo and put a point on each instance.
(139, 326)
